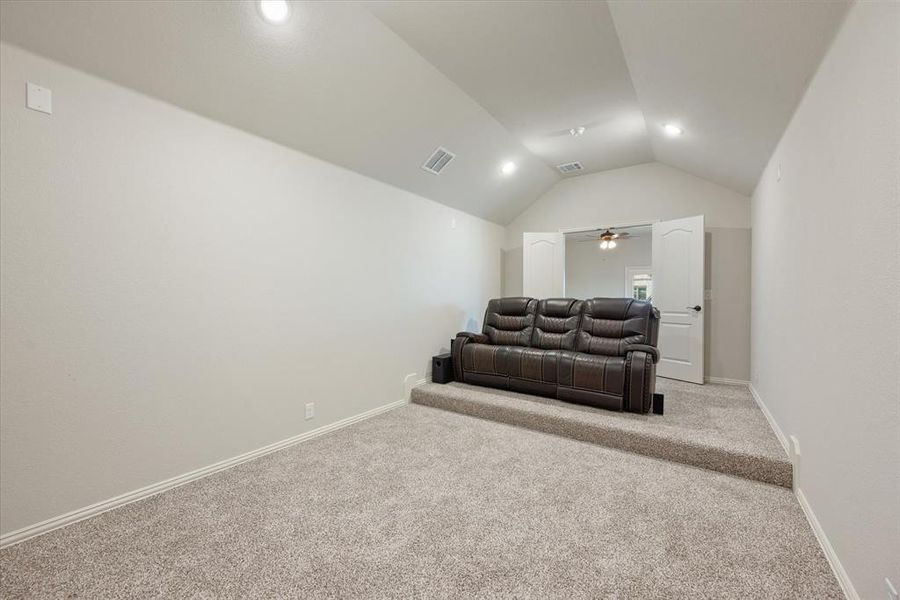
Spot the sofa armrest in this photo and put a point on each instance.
(640, 380)
(651, 350)
(478, 338)
(456, 349)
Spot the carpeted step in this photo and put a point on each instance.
(716, 427)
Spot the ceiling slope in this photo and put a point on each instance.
(730, 73)
(541, 68)
(333, 81)
(503, 81)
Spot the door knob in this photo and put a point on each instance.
(696, 308)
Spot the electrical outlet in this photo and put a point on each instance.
(891, 590)
(310, 410)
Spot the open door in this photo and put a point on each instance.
(678, 257)
(544, 265)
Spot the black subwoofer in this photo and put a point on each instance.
(442, 368)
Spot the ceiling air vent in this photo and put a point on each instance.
(570, 167)
(436, 163)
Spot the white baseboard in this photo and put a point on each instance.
(93, 510)
(409, 382)
(830, 555)
(727, 381)
(827, 549)
(782, 438)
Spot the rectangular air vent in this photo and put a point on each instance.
(570, 167)
(436, 163)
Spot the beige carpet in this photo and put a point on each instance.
(425, 503)
(713, 426)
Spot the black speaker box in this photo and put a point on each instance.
(442, 368)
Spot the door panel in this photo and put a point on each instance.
(678, 257)
(544, 265)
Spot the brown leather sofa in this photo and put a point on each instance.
(600, 352)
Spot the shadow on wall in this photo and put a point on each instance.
(451, 319)
(472, 325)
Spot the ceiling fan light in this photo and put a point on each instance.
(604, 244)
(612, 244)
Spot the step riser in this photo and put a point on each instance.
(749, 467)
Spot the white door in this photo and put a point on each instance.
(543, 265)
(678, 268)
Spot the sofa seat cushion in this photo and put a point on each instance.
(484, 358)
(533, 364)
(592, 372)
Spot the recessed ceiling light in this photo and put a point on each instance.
(275, 11)
(576, 131)
(508, 168)
(672, 129)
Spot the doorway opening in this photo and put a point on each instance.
(610, 262)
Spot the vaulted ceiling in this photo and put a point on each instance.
(376, 87)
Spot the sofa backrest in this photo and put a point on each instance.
(509, 321)
(608, 325)
(556, 323)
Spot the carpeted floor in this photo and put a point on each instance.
(425, 503)
(713, 426)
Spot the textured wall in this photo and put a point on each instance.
(175, 290)
(826, 319)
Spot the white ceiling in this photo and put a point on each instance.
(491, 81)
(541, 68)
(333, 82)
(731, 73)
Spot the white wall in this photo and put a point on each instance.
(592, 272)
(646, 193)
(826, 279)
(175, 290)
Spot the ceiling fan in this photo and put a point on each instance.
(608, 239)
